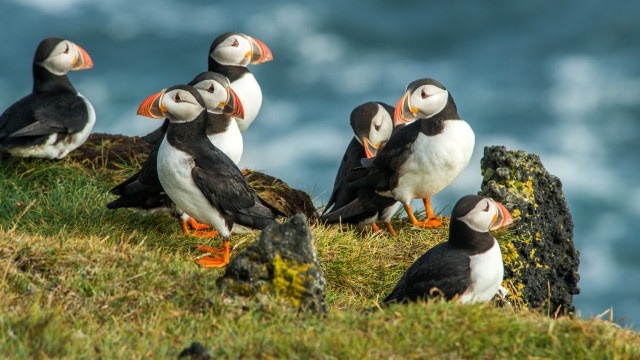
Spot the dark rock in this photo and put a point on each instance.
(195, 351)
(282, 261)
(109, 150)
(543, 269)
(277, 193)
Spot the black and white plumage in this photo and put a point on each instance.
(229, 55)
(198, 177)
(143, 189)
(468, 265)
(54, 119)
(424, 156)
(372, 124)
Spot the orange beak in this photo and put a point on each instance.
(502, 218)
(404, 114)
(234, 106)
(370, 149)
(152, 107)
(82, 60)
(259, 52)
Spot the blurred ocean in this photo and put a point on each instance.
(561, 79)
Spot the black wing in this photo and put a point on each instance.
(442, 267)
(223, 184)
(33, 118)
(342, 194)
(366, 205)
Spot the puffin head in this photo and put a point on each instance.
(234, 48)
(372, 126)
(480, 213)
(179, 104)
(58, 56)
(423, 99)
(218, 96)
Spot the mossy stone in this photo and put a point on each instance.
(282, 261)
(543, 271)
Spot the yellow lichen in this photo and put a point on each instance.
(288, 279)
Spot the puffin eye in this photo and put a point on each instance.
(377, 127)
(235, 43)
(487, 208)
(211, 89)
(177, 98)
(66, 50)
(424, 94)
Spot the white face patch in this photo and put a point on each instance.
(381, 126)
(60, 61)
(181, 106)
(215, 95)
(481, 216)
(234, 50)
(429, 100)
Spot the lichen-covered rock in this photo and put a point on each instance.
(282, 261)
(542, 268)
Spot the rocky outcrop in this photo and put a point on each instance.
(541, 268)
(283, 262)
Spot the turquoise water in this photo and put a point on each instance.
(558, 79)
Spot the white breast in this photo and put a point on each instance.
(174, 171)
(487, 271)
(250, 95)
(229, 142)
(54, 149)
(435, 161)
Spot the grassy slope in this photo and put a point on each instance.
(79, 281)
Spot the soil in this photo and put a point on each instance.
(117, 151)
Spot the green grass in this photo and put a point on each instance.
(80, 281)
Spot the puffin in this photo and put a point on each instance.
(424, 156)
(229, 55)
(197, 176)
(468, 266)
(55, 118)
(372, 125)
(143, 189)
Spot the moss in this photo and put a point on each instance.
(288, 279)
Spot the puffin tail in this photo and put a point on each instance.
(343, 214)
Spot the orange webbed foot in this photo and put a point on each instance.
(217, 261)
(205, 233)
(209, 249)
(212, 261)
(430, 223)
(196, 225)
